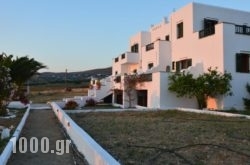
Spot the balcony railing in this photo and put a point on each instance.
(146, 77)
(149, 46)
(207, 32)
(242, 29)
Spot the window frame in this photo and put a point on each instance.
(242, 64)
(183, 64)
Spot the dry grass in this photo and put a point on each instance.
(169, 137)
(43, 93)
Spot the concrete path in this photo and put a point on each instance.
(42, 123)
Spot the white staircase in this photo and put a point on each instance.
(100, 92)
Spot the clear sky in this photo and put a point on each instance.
(79, 34)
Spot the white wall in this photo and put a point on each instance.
(235, 43)
(168, 99)
(160, 97)
(160, 56)
(142, 38)
(159, 31)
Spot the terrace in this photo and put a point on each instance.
(128, 58)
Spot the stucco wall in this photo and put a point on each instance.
(235, 43)
(159, 31)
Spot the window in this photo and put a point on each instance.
(180, 30)
(208, 23)
(173, 65)
(178, 66)
(135, 71)
(167, 37)
(242, 63)
(150, 65)
(123, 56)
(183, 64)
(208, 28)
(242, 29)
(116, 72)
(149, 46)
(135, 48)
(116, 59)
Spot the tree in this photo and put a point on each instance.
(210, 84)
(23, 68)
(15, 72)
(5, 83)
(130, 82)
(246, 100)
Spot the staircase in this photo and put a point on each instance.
(99, 89)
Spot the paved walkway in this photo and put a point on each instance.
(42, 123)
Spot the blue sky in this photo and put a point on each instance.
(79, 34)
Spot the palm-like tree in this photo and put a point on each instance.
(23, 68)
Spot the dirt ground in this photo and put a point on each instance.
(43, 95)
(169, 137)
(43, 123)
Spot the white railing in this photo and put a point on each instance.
(92, 151)
(12, 142)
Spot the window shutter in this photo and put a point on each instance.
(238, 62)
(178, 66)
(173, 65)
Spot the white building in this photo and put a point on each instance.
(194, 38)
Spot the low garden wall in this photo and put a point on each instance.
(92, 151)
(213, 112)
(12, 142)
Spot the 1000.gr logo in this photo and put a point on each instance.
(61, 145)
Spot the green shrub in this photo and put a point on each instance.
(71, 105)
(90, 103)
(3, 111)
(246, 100)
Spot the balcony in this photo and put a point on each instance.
(242, 29)
(129, 58)
(207, 32)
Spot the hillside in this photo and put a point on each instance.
(73, 77)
